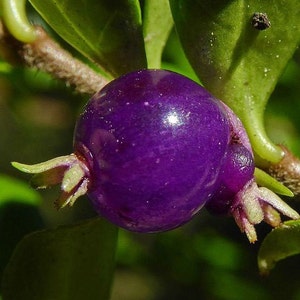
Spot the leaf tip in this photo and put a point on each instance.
(264, 267)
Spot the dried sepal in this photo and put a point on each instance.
(255, 204)
(68, 170)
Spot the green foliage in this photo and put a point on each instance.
(109, 32)
(71, 262)
(281, 243)
(12, 189)
(157, 23)
(264, 179)
(174, 58)
(236, 62)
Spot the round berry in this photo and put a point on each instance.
(154, 142)
(151, 149)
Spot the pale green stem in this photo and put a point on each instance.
(15, 19)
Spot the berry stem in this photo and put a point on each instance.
(15, 18)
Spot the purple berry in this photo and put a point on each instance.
(237, 170)
(156, 141)
(151, 149)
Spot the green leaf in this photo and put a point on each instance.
(72, 262)
(157, 24)
(5, 68)
(236, 62)
(174, 58)
(282, 242)
(109, 32)
(15, 190)
(264, 179)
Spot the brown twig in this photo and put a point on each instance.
(48, 56)
(287, 171)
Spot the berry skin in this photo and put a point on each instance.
(237, 170)
(157, 140)
(151, 149)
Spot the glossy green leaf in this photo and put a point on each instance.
(157, 24)
(108, 32)
(174, 58)
(236, 62)
(15, 190)
(69, 263)
(282, 242)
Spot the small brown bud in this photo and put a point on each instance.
(287, 171)
(260, 21)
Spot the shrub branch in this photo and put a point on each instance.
(46, 55)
